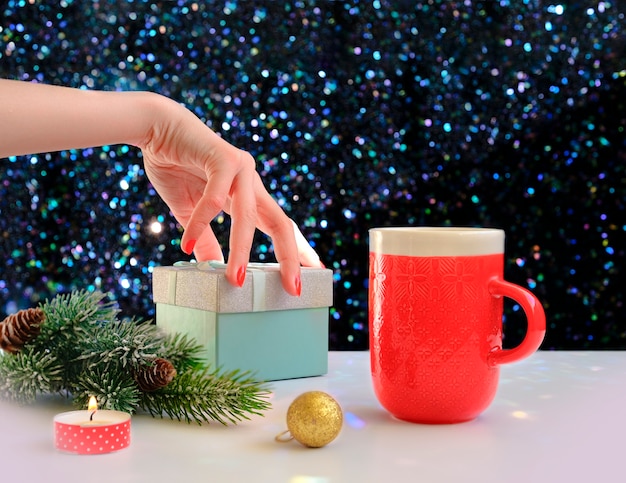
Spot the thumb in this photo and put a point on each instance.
(307, 255)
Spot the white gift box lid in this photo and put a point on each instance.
(204, 286)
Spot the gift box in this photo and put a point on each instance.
(257, 327)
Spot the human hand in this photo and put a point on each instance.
(196, 172)
(198, 175)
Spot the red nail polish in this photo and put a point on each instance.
(241, 276)
(298, 286)
(189, 246)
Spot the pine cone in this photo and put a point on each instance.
(154, 377)
(20, 328)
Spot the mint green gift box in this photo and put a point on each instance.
(258, 327)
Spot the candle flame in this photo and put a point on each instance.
(93, 404)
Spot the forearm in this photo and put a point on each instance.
(38, 118)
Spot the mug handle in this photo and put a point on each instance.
(534, 314)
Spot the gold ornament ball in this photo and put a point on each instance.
(314, 419)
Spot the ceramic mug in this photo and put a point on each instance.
(435, 320)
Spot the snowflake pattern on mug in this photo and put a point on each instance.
(434, 322)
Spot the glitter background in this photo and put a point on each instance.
(360, 114)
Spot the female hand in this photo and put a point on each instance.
(197, 173)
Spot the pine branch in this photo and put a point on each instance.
(112, 389)
(70, 318)
(84, 350)
(205, 396)
(78, 309)
(26, 375)
(182, 351)
(128, 342)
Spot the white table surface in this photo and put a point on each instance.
(557, 417)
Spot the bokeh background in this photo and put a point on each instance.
(508, 114)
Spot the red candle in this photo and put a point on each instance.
(92, 431)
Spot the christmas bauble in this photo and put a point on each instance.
(314, 419)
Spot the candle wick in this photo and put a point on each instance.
(91, 416)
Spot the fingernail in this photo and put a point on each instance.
(298, 286)
(322, 264)
(189, 246)
(241, 276)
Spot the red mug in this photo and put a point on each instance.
(435, 321)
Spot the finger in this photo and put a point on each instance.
(243, 214)
(275, 223)
(290, 266)
(286, 251)
(207, 207)
(208, 247)
(307, 255)
(270, 211)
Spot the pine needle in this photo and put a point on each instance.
(112, 389)
(128, 342)
(28, 374)
(182, 351)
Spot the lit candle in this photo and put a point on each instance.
(92, 431)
